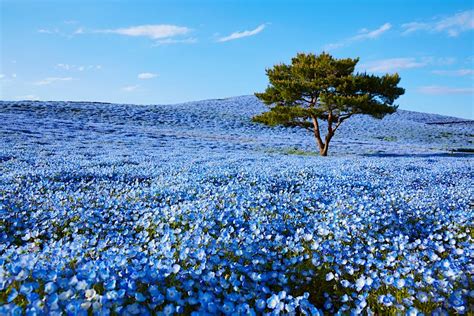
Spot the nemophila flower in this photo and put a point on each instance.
(360, 283)
(260, 304)
(422, 297)
(90, 294)
(135, 309)
(27, 288)
(50, 287)
(176, 226)
(228, 307)
(386, 299)
(388, 280)
(81, 285)
(110, 284)
(53, 299)
(273, 301)
(456, 299)
(327, 305)
(329, 276)
(344, 298)
(399, 283)
(172, 294)
(12, 295)
(176, 268)
(65, 295)
(412, 311)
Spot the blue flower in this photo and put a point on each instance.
(12, 295)
(139, 297)
(329, 276)
(172, 294)
(273, 301)
(50, 287)
(260, 304)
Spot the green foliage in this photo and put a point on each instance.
(291, 151)
(323, 87)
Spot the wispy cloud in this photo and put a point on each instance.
(30, 97)
(242, 34)
(392, 64)
(7, 78)
(147, 75)
(70, 67)
(397, 64)
(155, 31)
(367, 34)
(454, 73)
(436, 90)
(452, 25)
(363, 34)
(169, 41)
(50, 80)
(64, 31)
(79, 30)
(49, 31)
(130, 88)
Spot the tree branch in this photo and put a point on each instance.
(340, 120)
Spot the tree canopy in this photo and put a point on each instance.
(321, 87)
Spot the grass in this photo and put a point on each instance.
(291, 151)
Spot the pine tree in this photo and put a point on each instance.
(321, 87)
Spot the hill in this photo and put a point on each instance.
(125, 209)
(219, 125)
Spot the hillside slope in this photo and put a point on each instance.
(216, 125)
(126, 209)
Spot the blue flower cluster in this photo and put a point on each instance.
(97, 216)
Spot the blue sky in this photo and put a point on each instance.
(150, 52)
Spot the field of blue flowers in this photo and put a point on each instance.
(192, 208)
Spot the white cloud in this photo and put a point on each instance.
(237, 35)
(48, 31)
(157, 31)
(366, 34)
(441, 61)
(27, 97)
(7, 78)
(63, 66)
(167, 41)
(452, 25)
(147, 75)
(50, 80)
(130, 88)
(392, 64)
(397, 64)
(455, 73)
(436, 90)
(79, 30)
(78, 67)
(363, 34)
(415, 26)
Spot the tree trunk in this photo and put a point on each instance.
(323, 146)
(324, 150)
(317, 135)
